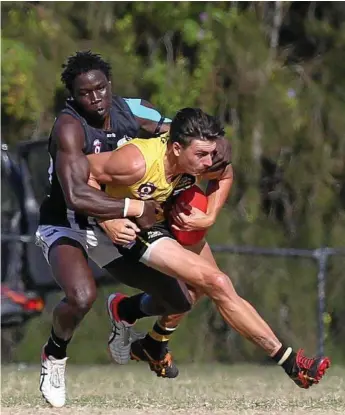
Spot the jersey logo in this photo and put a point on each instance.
(154, 234)
(145, 190)
(96, 146)
(164, 138)
(124, 140)
(51, 233)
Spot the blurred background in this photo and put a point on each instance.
(274, 73)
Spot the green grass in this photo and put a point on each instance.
(200, 389)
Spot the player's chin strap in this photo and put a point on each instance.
(159, 124)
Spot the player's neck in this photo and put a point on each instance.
(170, 166)
(104, 124)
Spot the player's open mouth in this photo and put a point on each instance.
(100, 111)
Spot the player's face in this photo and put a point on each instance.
(195, 158)
(92, 92)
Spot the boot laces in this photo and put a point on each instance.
(160, 366)
(304, 362)
(57, 375)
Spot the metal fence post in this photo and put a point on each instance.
(321, 255)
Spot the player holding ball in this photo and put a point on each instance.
(155, 169)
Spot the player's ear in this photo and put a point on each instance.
(176, 149)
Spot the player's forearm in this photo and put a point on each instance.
(217, 193)
(93, 202)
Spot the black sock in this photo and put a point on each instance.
(56, 347)
(129, 308)
(156, 341)
(286, 357)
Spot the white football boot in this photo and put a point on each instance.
(52, 379)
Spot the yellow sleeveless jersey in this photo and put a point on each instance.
(154, 184)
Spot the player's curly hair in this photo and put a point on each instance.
(190, 123)
(83, 62)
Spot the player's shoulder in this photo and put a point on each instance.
(159, 140)
(130, 159)
(151, 145)
(68, 131)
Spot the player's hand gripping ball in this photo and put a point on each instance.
(193, 197)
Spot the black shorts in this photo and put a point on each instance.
(137, 249)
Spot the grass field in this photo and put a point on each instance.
(199, 390)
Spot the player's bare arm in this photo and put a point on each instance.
(120, 231)
(125, 166)
(73, 171)
(217, 193)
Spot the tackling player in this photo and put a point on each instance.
(93, 120)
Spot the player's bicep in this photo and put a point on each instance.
(97, 164)
(72, 166)
(73, 172)
(125, 166)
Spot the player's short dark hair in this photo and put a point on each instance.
(190, 123)
(83, 62)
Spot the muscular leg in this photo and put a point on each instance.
(203, 249)
(200, 273)
(70, 268)
(169, 296)
(238, 313)
(173, 320)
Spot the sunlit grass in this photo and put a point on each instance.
(204, 389)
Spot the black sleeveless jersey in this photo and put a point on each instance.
(124, 126)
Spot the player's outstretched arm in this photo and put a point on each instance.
(72, 168)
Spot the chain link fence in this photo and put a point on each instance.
(299, 292)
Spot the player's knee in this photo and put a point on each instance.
(83, 298)
(219, 285)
